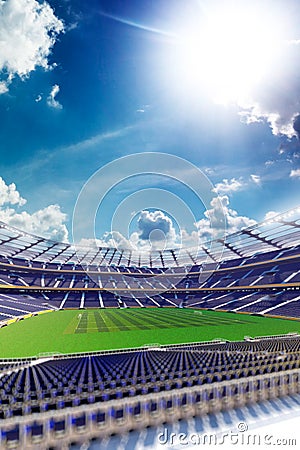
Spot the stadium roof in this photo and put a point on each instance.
(280, 232)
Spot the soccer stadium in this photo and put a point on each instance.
(149, 224)
(100, 342)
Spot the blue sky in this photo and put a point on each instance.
(85, 83)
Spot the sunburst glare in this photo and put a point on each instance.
(230, 51)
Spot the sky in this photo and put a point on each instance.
(201, 98)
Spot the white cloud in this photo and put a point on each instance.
(276, 101)
(48, 222)
(116, 239)
(3, 87)
(256, 179)
(192, 239)
(149, 222)
(10, 195)
(112, 239)
(228, 186)
(28, 31)
(90, 243)
(142, 109)
(51, 101)
(280, 123)
(269, 163)
(217, 221)
(209, 170)
(270, 215)
(295, 173)
(155, 231)
(220, 219)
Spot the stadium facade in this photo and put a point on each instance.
(50, 398)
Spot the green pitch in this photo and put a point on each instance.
(71, 331)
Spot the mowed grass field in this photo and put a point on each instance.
(71, 331)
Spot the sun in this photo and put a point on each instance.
(230, 51)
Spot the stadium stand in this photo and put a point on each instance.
(52, 398)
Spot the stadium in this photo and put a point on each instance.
(149, 224)
(100, 342)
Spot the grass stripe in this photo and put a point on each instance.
(92, 326)
(111, 326)
(138, 323)
(166, 317)
(158, 321)
(83, 323)
(201, 319)
(141, 322)
(117, 322)
(101, 325)
(133, 319)
(28, 338)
